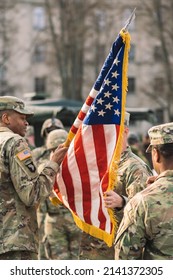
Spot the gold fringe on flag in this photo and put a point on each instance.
(117, 153)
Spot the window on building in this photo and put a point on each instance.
(132, 53)
(159, 85)
(39, 54)
(39, 21)
(158, 54)
(40, 85)
(131, 85)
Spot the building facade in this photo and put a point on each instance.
(30, 62)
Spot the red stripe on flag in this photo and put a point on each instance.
(84, 174)
(117, 130)
(89, 100)
(101, 163)
(81, 115)
(74, 129)
(98, 133)
(69, 183)
(105, 182)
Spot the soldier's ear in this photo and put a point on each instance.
(5, 118)
(156, 155)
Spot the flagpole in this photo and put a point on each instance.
(130, 19)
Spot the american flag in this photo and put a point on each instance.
(89, 168)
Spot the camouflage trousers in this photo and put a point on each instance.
(92, 248)
(61, 240)
(19, 255)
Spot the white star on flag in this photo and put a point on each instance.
(100, 101)
(108, 106)
(93, 108)
(117, 112)
(107, 94)
(116, 61)
(101, 113)
(115, 74)
(116, 99)
(107, 82)
(115, 87)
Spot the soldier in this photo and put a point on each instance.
(41, 153)
(135, 145)
(132, 176)
(146, 231)
(30, 137)
(61, 235)
(21, 186)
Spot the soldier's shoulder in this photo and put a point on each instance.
(15, 142)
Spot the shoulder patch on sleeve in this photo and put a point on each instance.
(24, 154)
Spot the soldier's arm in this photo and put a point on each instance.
(136, 180)
(29, 184)
(131, 237)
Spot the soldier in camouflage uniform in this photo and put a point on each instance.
(21, 186)
(132, 176)
(61, 235)
(40, 155)
(135, 145)
(146, 231)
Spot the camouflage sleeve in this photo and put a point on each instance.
(131, 237)
(136, 180)
(29, 184)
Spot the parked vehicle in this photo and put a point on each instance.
(141, 119)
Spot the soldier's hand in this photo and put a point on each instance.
(59, 154)
(113, 200)
(150, 180)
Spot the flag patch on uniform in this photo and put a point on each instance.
(24, 154)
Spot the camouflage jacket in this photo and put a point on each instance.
(21, 189)
(132, 175)
(40, 154)
(146, 231)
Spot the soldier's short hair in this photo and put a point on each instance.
(166, 150)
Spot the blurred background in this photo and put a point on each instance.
(51, 52)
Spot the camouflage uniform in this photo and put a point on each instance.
(21, 188)
(60, 235)
(41, 155)
(134, 143)
(132, 176)
(146, 231)
(61, 239)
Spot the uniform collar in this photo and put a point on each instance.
(5, 129)
(166, 173)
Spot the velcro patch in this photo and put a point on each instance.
(24, 154)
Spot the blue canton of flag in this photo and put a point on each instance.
(106, 108)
